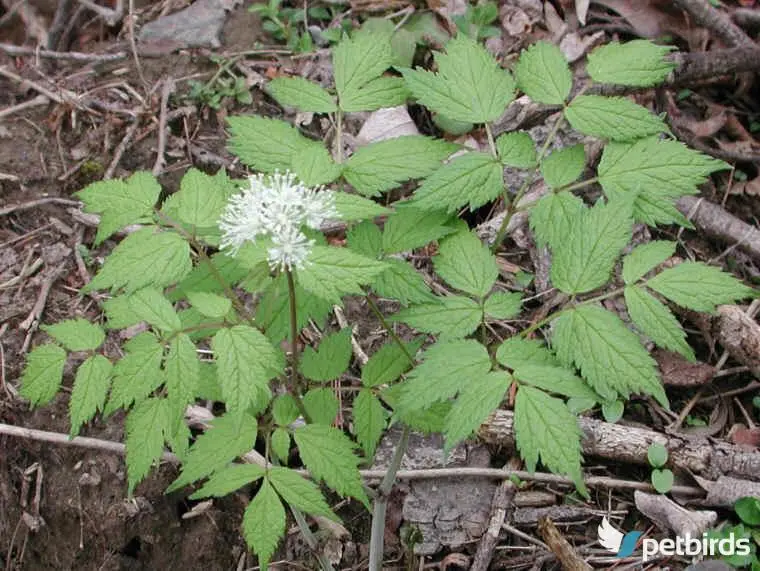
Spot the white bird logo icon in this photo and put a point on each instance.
(609, 537)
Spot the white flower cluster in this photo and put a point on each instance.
(278, 207)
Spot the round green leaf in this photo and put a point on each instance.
(657, 455)
(748, 509)
(662, 480)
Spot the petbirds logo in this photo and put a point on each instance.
(616, 542)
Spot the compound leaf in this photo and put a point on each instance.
(637, 63)
(543, 74)
(466, 263)
(376, 94)
(646, 257)
(552, 218)
(321, 406)
(264, 523)
(563, 166)
(358, 60)
(136, 374)
(150, 305)
(146, 427)
(43, 374)
(389, 363)
(330, 360)
(516, 352)
(554, 379)
(516, 149)
(201, 198)
(183, 372)
(503, 305)
(76, 334)
(353, 208)
(369, 421)
(210, 304)
(409, 228)
(302, 94)
(615, 118)
(90, 389)
(402, 282)
(265, 144)
(452, 317)
(477, 400)
(227, 480)
(299, 492)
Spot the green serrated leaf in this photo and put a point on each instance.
(516, 352)
(90, 389)
(285, 410)
(477, 400)
(360, 59)
(245, 362)
(447, 367)
(146, 427)
(210, 304)
(264, 523)
(469, 86)
(609, 355)
(200, 200)
(700, 287)
(452, 317)
(369, 421)
(228, 437)
(208, 387)
(203, 278)
(314, 166)
(299, 492)
(329, 456)
(389, 363)
(76, 334)
(281, 444)
(554, 379)
(334, 272)
(552, 218)
(409, 228)
(402, 283)
(166, 253)
(120, 202)
(273, 311)
(646, 257)
(229, 479)
(473, 178)
(119, 314)
(466, 263)
(376, 94)
(384, 165)
(615, 118)
(545, 429)
(656, 321)
(183, 372)
(543, 74)
(563, 166)
(655, 170)
(584, 260)
(353, 208)
(516, 149)
(365, 239)
(302, 94)
(151, 306)
(137, 374)
(637, 63)
(265, 144)
(321, 405)
(330, 360)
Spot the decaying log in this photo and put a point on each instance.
(630, 444)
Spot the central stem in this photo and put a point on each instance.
(293, 331)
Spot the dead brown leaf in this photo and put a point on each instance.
(748, 187)
(678, 372)
(743, 436)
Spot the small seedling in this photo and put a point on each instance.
(476, 21)
(662, 478)
(748, 511)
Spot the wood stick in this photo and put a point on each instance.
(14, 50)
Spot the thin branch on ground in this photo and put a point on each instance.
(39, 202)
(14, 50)
(166, 91)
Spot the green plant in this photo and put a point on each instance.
(285, 23)
(216, 89)
(662, 478)
(748, 510)
(476, 21)
(268, 244)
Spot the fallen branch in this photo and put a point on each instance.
(561, 547)
(716, 21)
(630, 444)
(14, 50)
(39, 202)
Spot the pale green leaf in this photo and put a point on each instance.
(365, 239)
(285, 410)
(229, 436)
(452, 317)
(563, 166)
(200, 200)
(146, 427)
(119, 313)
(516, 149)
(447, 368)
(210, 304)
(402, 283)
(473, 178)
(466, 263)
(369, 421)
(330, 360)
(646, 257)
(409, 228)
(543, 74)
(302, 94)
(637, 63)
(120, 202)
(265, 144)
(208, 386)
(378, 93)
(43, 374)
(202, 278)
(545, 429)
(90, 389)
(656, 321)
(476, 401)
(229, 479)
(245, 362)
(654, 169)
(299, 492)
(384, 165)
(584, 260)
(76, 334)
(389, 363)
(609, 355)
(151, 306)
(334, 272)
(264, 523)
(358, 60)
(281, 444)
(183, 372)
(314, 166)
(555, 379)
(700, 287)
(469, 86)
(137, 374)
(552, 217)
(503, 305)
(321, 406)
(166, 254)
(517, 351)
(329, 456)
(615, 118)
(273, 311)
(353, 208)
